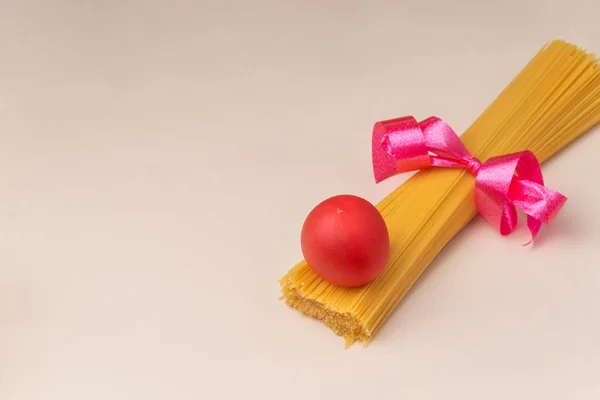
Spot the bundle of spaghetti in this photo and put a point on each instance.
(551, 102)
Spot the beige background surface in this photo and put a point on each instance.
(157, 159)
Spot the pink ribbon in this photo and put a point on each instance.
(403, 144)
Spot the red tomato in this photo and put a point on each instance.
(345, 241)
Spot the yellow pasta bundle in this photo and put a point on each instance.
(552, 101)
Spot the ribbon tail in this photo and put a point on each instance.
(534, 226)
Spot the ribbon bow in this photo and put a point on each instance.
(403, 144)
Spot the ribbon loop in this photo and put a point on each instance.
(404, 147)
(403, 144)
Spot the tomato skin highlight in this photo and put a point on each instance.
(345, 241)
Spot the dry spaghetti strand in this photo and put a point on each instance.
(553, 100)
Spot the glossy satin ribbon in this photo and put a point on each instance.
(403, 144)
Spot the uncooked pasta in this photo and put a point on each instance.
(551, 102)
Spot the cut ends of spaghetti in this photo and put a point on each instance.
(342, 324)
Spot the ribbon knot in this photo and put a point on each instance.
(403, 144)
(473, 165)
